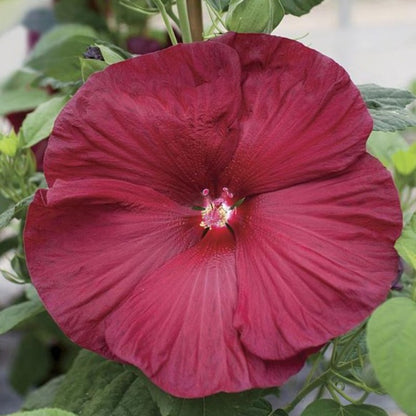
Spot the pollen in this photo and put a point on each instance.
(216, 215)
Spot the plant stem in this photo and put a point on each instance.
(172, 15)
(166, 21)
(184, 21)
(306, 390)
(195, 18)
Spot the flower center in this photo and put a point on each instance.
(217, 212)
(215, 215)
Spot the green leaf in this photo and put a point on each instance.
(219, 5)
(326, 407)
(280, 412)
(79, 11)
(383, 145)
(31, 365)
(8, 244)
(112, 53)
(95, 385)
(16, 314)
(391, 337)
(406, 244)
(16, 211)
(44, 412)
(405, 161)
(90, 66)
(43, 396)
(17, 93)
(247, 403)
(38, 124)
(9, 144)
(57, 54)
(260, 16)
(21, 100)
(299, 7)
(59, 34)
(388, 107)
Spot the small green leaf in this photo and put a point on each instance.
(260, 16)
(299, 7)
(38, 124)
(16, 314)
(219, 5)
(44, 412)
(326, 407)
(391, 338)
(383, 145)
(404, 161)
(90, 66)
(112, 53)
(406, 244)
(17, 211)
(388, 107)
(9, 144)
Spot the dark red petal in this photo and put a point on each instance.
(177, 326)
(302, 117)
(88, 244)
(39, 150)
(313, 260)
(16, 119)
(164, 120)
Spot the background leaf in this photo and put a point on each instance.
(57, 53)
(391, 337)
(44, 412)
(406, 244)
(299, 7)
(260, 16)
(95, 384)
(219, 5)
(387, 106)
(31, 365)
(39, 123)
(43, 396)
(326, 407)
(16, 314)
(383, 145)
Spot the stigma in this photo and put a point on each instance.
(216, 212)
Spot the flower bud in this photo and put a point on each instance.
(9, 144)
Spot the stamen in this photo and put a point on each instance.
(216, 212)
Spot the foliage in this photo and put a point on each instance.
(377, 357)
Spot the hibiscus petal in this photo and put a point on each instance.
(172, 127)
(302, 117)
(177, 326)
(314, 260)
(89, 242)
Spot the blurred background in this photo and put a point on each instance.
(375, 40)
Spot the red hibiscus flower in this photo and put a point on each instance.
(213, 216)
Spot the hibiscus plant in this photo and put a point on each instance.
(198, 214)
